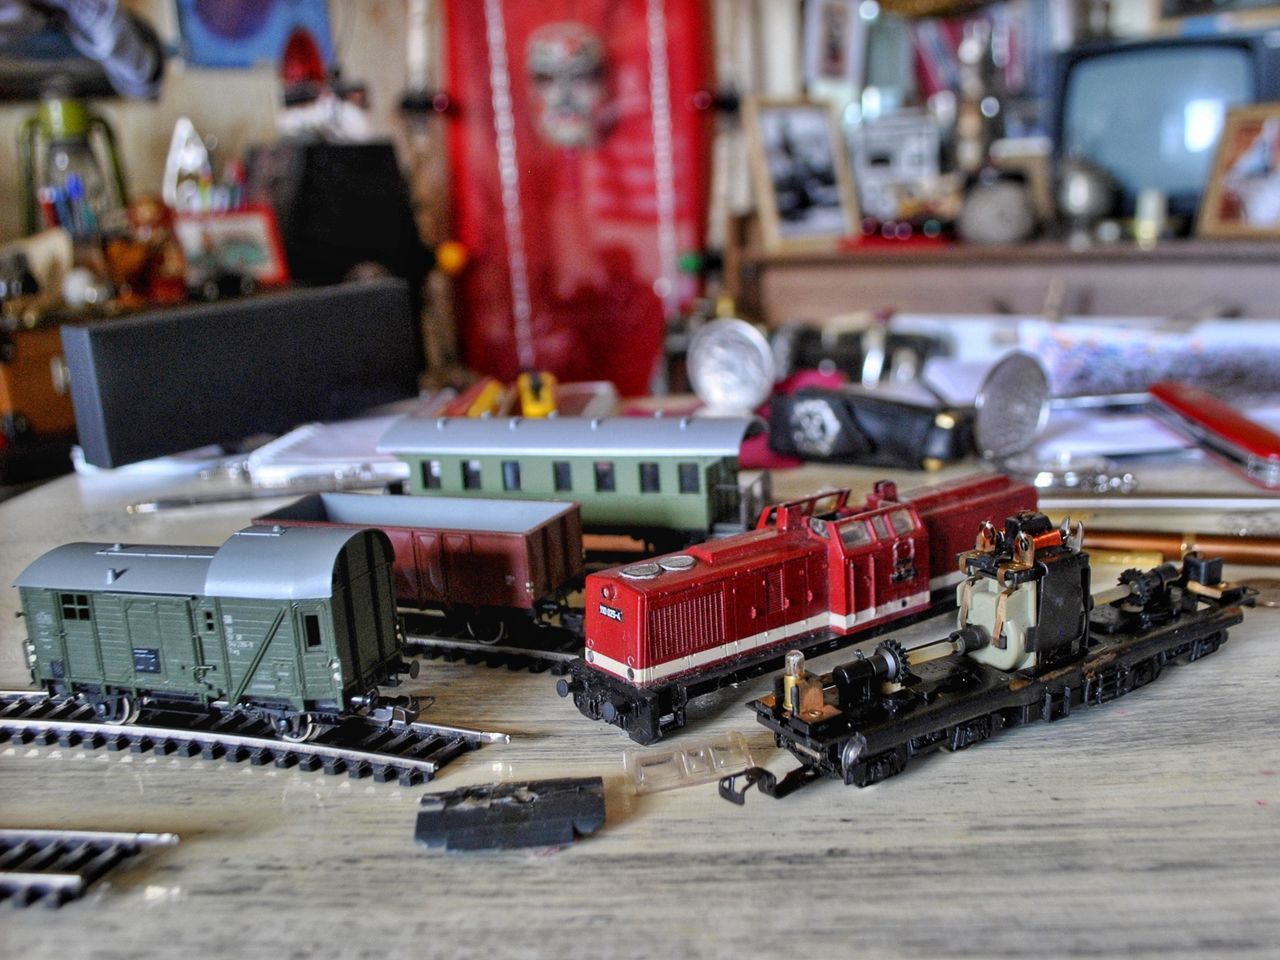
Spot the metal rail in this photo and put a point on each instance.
(55, 866)
(408, 752)
(528, 646)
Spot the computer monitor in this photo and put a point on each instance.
(1150, 113)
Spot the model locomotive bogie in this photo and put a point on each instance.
(296, 627)
(867, 718)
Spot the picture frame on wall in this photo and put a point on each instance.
(801, 175)
(1170, 15)
(1243, 194)
(834, 46)
(245, 241)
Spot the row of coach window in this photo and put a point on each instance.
(562, 478)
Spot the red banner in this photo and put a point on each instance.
(580, 171)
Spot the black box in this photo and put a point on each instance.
(170, 380)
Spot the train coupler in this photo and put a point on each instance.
(395, 713)
(768, 783)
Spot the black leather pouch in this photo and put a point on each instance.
(856, 426)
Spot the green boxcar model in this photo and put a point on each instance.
(655, 477)
(297, 626)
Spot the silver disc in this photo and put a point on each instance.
(679, 561)
(1012, 406)
(731, 366)
(641, 571)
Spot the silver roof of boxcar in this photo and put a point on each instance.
(124, 568)
(278, 563)
(566, 436)
(258, 563)
(468, 514)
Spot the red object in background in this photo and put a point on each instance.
(574, 198)
(302, 61)
(1248, 447)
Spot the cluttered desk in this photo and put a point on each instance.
(347, 802)
(522, 488)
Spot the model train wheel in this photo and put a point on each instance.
(117, 709)
(487, 630)
(296, 728)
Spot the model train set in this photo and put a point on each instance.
(275, 644)
(816, 571)
(294, 626)
(1030, 643)
(666, 480)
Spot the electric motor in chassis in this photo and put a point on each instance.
(817, 573)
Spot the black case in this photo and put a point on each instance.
(174, 379)
(849, 426)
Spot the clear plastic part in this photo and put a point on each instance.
(703, 762)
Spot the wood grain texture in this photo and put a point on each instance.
(1102, 280)
(1149, 826)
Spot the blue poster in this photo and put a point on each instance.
(245, 33)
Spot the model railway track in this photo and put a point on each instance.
(528, 646)
(411, 753)
(55, 866)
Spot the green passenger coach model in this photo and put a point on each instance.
(295, 626)
(654, 477)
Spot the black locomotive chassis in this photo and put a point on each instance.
(933, 717)
(651, 712)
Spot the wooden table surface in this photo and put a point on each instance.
(1149, 826)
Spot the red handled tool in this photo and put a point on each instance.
(1221, 429)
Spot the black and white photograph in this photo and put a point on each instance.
(802, 179)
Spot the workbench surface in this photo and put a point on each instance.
(1148, 826)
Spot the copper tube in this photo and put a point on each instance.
(1172, 546)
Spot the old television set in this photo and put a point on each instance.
(1150, 112)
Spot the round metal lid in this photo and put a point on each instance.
(680, 561)
(641, 571)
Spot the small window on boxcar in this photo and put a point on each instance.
(510, 474)
(649, 482)
(563, 475)
(431, 474)
(210, 622)
(855, 534)
(311, 627)
(901, 522)
(471, 474)
(689, 481)
(75, 606)
(605, 481)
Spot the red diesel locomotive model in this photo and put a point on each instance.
(816, 574)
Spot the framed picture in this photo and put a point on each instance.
(803, 184)
(1243, 196)
(834, 42)
(245, 241)
(1227, 14)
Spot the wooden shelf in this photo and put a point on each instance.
(1238, 277)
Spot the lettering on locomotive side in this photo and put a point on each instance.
(611, 613)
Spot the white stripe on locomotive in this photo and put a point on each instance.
(735, 648)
